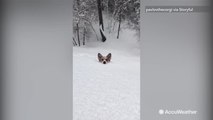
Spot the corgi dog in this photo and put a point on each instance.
(104, 59)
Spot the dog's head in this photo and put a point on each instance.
(104, 59)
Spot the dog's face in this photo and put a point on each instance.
(104, 59)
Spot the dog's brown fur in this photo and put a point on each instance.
(104, 59)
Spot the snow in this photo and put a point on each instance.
(107, 91)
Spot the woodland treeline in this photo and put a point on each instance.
(120, 14)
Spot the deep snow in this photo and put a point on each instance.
(111, 91)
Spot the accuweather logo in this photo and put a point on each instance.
(177, 112)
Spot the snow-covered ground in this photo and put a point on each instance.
(111, 91)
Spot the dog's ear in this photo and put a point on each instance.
(109, 56)
(99, 56)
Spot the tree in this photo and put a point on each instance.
(126, 11)
(121, 14)
(101, 24)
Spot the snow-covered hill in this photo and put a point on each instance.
(106, 92)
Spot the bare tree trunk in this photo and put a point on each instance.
(119, 27)
(101, 24)
(84, 36)
(74, 42)
(79, 43)
(77, 25)
(102, 35)
(100, 14)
